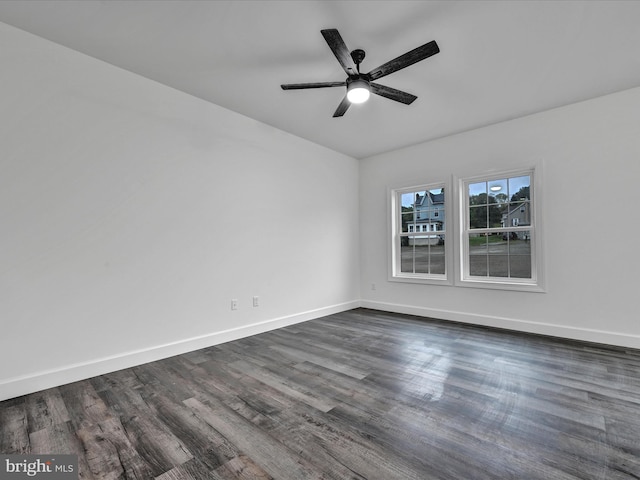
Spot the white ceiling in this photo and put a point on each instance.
(499, 59)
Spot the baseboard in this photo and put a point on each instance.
(15, 387)
(541, 328)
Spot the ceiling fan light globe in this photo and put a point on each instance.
(358, 90)
(358, 94)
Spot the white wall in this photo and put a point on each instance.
(131, 214)
(591, 168)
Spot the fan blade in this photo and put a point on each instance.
(392, 93)
(342, 108)
(340, 50)
(298, 86)
(403, 61)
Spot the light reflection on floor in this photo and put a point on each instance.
(426, 372)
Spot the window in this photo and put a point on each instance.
(419, 234)
(498, 231)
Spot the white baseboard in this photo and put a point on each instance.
(17, 386)
(583, 334)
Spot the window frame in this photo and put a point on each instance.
(395, 229)
(463, 277)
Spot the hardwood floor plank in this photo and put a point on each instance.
(61, 438)
(14, 427)
(342, 451)
(205, 443)
(45, 409)
(272, 456)
(242, 468)
(149, 437)
(279, 383)
(104, 454)
(190, 470)
(110, 448)
(83, 404)
(290, 347)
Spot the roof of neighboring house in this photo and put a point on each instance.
(436, 198)
(517, 207)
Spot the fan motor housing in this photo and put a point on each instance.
(361, 79)
(357, 55)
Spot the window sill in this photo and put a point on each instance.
(409, 278)
(501, 285)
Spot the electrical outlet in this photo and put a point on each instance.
(373, 286)
(256, 301)
(234, 304)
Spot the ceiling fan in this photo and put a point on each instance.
(360, 85)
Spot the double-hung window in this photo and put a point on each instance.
(498, 231)
(419, 234)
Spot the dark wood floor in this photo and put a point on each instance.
(361, 394)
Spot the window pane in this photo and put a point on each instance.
(421, 256)
(498, 189)
(478, 255)
(478, 193)
(406, 256)
(436, 198)
(519, 188)
(478, 266)
(519, 214)
(498, 265)
(407, 219)
(437, 257)
(407, 200)
(406, 211)
(495, 215)
(479, 241)
(478, 217)
(520, 254)
(498, 256)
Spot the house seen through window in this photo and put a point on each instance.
(419, 233)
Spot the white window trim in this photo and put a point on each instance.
(536, 283)
(393, 195)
